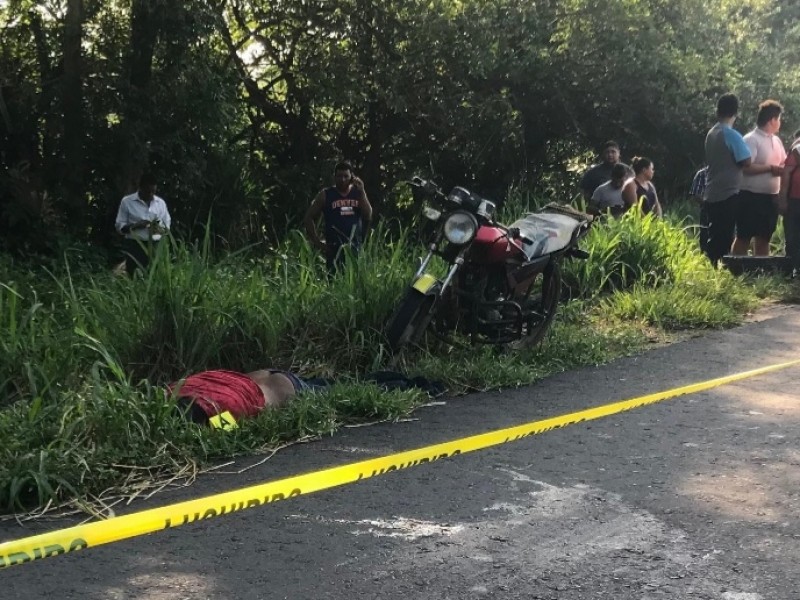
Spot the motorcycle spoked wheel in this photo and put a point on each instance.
(410, 319)
(544, 303)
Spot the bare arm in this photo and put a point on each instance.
(746, 163)
(750, 169)
(310, 220)
(629, 194)
(657, 211)
(366, 207)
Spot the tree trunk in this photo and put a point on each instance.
(146, 23)
(72, 98)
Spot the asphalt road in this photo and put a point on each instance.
(691, 498)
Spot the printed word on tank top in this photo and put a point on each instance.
(343, 217)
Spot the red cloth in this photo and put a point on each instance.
(219, 390)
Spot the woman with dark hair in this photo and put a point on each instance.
(643, 170)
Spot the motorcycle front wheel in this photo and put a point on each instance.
(409, 320)
(543, 305)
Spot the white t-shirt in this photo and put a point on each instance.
(767, 149)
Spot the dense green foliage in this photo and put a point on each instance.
(84, 354)
(241, 106)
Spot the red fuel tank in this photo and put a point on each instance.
(492, 245)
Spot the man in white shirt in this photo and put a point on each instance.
(757, 205)
(142, 218)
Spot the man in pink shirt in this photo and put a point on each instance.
(757, 204)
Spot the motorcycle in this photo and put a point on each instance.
(502, 284)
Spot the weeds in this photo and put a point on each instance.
(84, 354)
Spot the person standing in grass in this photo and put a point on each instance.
(726, 155)
(698, 187)
(346, 212)
(601, 172)
(696, 191)
(642, 183)
(143, 218)
(616, 195)
(789, 201)
(757, 206)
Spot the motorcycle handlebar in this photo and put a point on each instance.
(427, 186)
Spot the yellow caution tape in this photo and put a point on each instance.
(147, 521)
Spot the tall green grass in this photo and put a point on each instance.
(84, 354)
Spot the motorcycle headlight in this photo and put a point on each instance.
(460, 227)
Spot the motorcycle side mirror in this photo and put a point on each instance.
(431, 187)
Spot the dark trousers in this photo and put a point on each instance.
(791, 228)
(137, 254)
(719, 221)
(338, 255)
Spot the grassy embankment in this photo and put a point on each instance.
(83, 354)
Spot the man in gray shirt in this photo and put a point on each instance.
(726, 155)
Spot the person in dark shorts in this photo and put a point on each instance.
(726, 155)
(346, 213)
(757, 206)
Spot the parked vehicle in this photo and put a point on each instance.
(502, 284)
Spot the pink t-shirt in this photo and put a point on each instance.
(766, 149)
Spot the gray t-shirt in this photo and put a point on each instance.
(607, 196)
(725, 149)
(597, 175)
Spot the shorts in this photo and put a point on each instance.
(302, 385)
(718, 220)
(756, 215)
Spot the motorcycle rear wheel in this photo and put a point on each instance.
(410, 319)
(547, 301)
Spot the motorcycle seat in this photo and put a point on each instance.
(546, 233)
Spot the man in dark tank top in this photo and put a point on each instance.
(346, 213)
